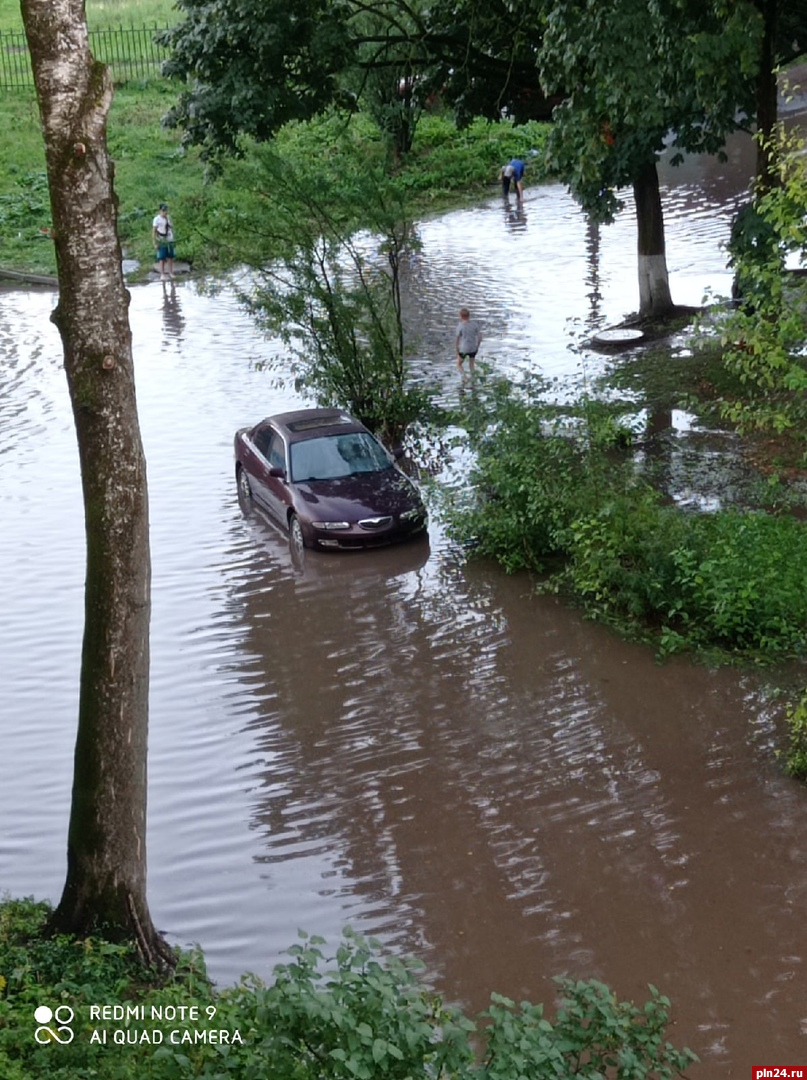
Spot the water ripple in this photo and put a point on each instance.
(401, 741)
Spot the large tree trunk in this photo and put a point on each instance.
(105, 889)
(654, 284)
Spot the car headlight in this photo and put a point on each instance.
(331, 524)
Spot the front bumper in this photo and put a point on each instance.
(355, 538)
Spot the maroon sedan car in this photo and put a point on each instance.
(327, 480)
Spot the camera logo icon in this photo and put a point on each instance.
(62, 1016)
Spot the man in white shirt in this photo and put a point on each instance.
(162, 233)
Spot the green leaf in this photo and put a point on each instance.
(379, 1050)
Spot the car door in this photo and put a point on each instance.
(258, 463)
(278, 492)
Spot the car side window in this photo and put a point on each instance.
(277, 453)
(262, 439)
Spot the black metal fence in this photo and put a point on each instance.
(130, 52)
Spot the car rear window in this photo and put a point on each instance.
(335, 456)
(312, 422)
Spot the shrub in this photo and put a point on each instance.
(593, 1031)
(796, 754)
(333, 292)
(362, 1015)
(563, 500)
(536, 472)
(764, 338)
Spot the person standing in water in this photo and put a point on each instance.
(162, 233)
(469, 338)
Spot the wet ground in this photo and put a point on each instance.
(403, 742)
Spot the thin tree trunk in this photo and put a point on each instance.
(105, 889)
(767, 98)
(654, 284)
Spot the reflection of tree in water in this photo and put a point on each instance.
(412, 740)
(173, 319)
(658, 447)
(594, 321)
(373, 747)
(491, 782)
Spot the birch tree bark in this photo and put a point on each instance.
(654, 283)
(105, 887)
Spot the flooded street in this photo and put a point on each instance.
(399, 741)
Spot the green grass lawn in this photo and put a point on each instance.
(105, 13)
(149, 167)
(149, 164)
(213, 220)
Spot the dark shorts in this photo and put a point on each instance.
(467, 356)
(165, 251)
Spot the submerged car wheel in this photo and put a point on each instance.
(296, 535)
(296, 544)
(244, 490)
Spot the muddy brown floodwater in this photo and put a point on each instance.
(401, 741)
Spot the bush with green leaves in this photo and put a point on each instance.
(39, 969)
(796, 752)
(728, 580)
(764, 337)
(538, 469)
(444, 159)
(332, 291)
(564, 497)
(593, 1031)
(25, 208)
(361, 1015)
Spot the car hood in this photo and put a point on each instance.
(354, 497)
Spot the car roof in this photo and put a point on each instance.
(312, 423)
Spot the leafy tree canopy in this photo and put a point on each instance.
(252, 65)
(790, 27)
(641, 67)
(489, 56)
(636, 75)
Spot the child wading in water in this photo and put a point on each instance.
(469, 338)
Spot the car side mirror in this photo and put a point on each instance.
(279, 473)
(398, 452)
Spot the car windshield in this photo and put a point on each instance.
(334, 456)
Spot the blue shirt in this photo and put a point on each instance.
(518, 168)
